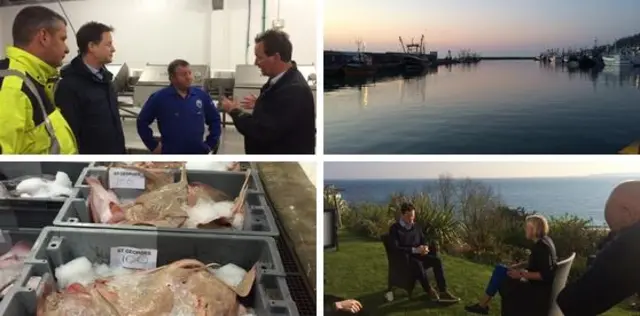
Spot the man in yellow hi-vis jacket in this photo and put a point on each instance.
(30, 123)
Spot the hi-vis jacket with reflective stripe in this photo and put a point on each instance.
(30, 123)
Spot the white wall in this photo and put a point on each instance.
(228, 43)
(158, 31)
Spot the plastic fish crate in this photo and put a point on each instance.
(258, 219)
(34, 212)
(99, 164)
(28, 213)
(8, 238)
(18, 169)
(229, 182)
(56, 246)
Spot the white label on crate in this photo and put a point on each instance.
(126, 179)
(133, 258)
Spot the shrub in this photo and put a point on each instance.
(439, 226)
(368, 220)
(572, 234)
(466, 218)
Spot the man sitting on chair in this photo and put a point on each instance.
(407, 237)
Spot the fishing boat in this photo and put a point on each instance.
(415, 58)
(360, 65)
(617, 60)
(635, 60)
(573, 62)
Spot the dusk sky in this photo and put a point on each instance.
(490, 27)
(481, 170)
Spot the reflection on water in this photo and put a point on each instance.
(493, 107)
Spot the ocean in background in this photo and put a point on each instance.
(584, 197)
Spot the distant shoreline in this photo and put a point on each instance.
(400, 53)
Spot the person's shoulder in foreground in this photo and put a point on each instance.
(614, 274)
(30, 121)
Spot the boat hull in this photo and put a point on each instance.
(616, 61)
(359, 70)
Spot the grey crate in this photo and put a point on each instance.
(228, 182)
(28, 213)
(56, 246)
(18, 169)
(101, 164)
(258, 219)
(10, 237)
(35, 211)
(258, 215)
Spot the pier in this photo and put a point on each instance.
(393, 63)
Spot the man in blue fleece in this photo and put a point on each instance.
(181, 111)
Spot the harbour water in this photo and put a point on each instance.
(584, 197)
(494, 107)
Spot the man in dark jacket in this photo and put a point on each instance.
(283, 118)
(407, 238)
(613, 275)
(86, 94)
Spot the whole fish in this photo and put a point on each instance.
(183, 287)
(19, 251)
(11, 264)
(151, 164)
(104, 205)
(163, 207)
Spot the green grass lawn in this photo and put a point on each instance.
(359, 270)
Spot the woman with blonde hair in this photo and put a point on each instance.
(525, 288)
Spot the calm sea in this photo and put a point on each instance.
(581, 196)
(495, 107)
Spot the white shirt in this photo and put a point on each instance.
(276, 78)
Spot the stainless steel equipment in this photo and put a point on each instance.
(221, 78)
(120, 75)
(155, 77)
(248, 81)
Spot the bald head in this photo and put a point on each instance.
(623, 206)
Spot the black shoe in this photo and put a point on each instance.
(477, 309)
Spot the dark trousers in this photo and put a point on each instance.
(420, 264)
(524, 298)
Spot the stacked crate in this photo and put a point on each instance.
(74, 235)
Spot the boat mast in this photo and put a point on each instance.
(404, 50)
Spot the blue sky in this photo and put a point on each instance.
(492, 27)
(482, 170)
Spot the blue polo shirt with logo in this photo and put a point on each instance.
(181, 121)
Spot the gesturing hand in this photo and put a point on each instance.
(249, 102)
(228, 105)
(514, 274)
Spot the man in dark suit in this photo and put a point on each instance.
(86, 94)
(408, 238)
(283, 118)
